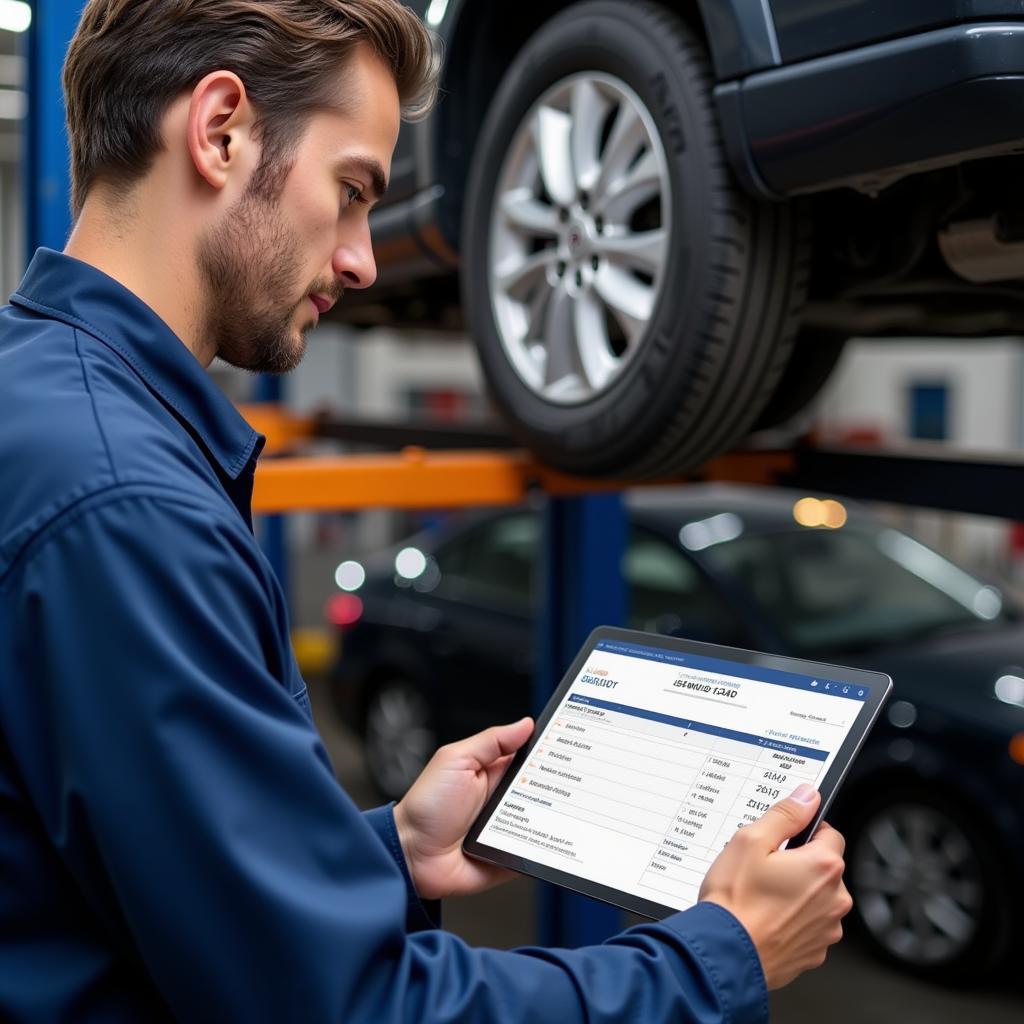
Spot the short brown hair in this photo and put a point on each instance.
(130, 59)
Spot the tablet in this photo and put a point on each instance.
(654, 750)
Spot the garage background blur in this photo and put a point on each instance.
(967, 395)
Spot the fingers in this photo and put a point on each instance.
(826, 835)
(786, 818)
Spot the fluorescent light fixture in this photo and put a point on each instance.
(436, 12)
(410, 563)
(984, 601)
(350, 576)
(1010, 689)
(15, 16)
(704, 533)
(13, 104)
(814, 512)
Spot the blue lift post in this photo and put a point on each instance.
(47, 188)
(581, 587)
(272, 531)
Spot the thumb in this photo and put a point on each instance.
(497, 741)
(786, 818)
(512, 736)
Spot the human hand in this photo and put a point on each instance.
(790, 901)
(434, 816)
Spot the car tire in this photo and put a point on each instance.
(399, 735)
(929, 894)
(633, 309)
(811, 363)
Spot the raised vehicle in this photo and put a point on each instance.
(659, 222)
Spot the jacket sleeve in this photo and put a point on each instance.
(188, 793)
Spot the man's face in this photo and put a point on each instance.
(274, 263)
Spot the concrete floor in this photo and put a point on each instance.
(850, 989)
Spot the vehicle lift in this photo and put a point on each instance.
(585, 520)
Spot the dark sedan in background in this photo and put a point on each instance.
(439, 642)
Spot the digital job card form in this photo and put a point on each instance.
(655, 758)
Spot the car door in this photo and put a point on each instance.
(481, 642)
(668, 593)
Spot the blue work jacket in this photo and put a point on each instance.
(173, 842)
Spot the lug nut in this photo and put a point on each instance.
(579, 278)
(560, 268)
(563, 214)
(595, 262)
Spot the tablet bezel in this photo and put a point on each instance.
(878, 685)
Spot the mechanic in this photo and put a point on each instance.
(173, 842)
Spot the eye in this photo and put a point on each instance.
(353, 193)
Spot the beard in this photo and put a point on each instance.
(250, 263)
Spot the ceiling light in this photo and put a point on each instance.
(410, 563)
(15, 16)
(350, 576)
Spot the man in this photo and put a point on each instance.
(173, 843)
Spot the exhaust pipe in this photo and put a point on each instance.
(974, 250)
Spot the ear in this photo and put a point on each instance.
(220, 128)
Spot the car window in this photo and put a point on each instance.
(669, 594)
(492, 564)
(830, 591)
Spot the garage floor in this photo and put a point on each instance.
(849, 989)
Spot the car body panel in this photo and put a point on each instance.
(867, 117)
(850, 105)
(811, 28)
(741, 36)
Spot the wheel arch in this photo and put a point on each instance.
(494, 33)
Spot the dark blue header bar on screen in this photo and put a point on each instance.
(829, 687)
(764, 742)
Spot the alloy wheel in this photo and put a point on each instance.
(918, 884)
(579, 237)
(399, 737)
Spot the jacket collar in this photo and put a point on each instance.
(76, 293)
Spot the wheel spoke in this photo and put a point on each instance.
(517, 274)
(641, 183)
(559, 341)
(630, 301)
(966, 892)
(596, 358)
(528, 214)
(888, 844)
(920, 923)
(942, 913)
(589, 110)
(627, 136)
(552, 130)
(877, 878)
(643, 250)
(919, 834)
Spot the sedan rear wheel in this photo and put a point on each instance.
(400, 736)
(925, 888)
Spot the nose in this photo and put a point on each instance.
(353, 260)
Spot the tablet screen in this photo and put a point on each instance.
(655, 757)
